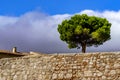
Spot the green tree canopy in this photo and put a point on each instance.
(83, 30)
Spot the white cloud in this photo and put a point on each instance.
(5, 20)
(38, 32)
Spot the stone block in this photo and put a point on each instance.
(88, 73)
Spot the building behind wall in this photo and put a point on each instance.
(13, 53)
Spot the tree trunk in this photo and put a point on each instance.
(83, 47)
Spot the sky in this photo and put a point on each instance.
(53, 7)
(31, 25)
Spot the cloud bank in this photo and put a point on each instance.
(36, 31)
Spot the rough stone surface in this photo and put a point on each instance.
(92, 66)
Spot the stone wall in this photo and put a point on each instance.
(92, 66)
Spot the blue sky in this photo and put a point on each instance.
(31, 25)
(51, 7)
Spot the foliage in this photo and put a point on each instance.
(83, 30)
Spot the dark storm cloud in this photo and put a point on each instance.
(35, 31)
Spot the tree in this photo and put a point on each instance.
(83, 30)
